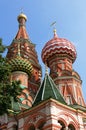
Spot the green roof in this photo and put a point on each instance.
(16, 107)
(78, 107)
(48, 90)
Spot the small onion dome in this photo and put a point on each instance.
(60, 47)
(22, 16)
(20, 64)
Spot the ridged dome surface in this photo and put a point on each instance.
(59, 46)
(20, 64)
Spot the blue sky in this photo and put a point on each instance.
(70, 17)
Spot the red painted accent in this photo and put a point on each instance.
(58, 46)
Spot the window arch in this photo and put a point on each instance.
(40, 124)
(35, 121)
(62, 124)
(71, 127)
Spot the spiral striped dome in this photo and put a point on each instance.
(59, 46)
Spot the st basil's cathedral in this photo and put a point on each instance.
(54, 103)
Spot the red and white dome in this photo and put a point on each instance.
(59, 46)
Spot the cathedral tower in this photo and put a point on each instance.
(59, 54)
(23, 59)
(58, 104)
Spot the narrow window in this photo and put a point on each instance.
(68, 99)
(80, 101)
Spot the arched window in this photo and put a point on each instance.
(71, 127)
(62, 124)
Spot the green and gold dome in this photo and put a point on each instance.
(20, 64)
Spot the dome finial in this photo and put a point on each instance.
(55, 33)
(54, 29)
(22, 16)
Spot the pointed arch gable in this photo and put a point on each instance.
(67, 115)
(35, 119)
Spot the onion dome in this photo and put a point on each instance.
(20, 64)
(60, 47)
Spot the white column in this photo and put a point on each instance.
(66, 128)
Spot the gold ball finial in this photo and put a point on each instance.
(54, 30)
(22, 15)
